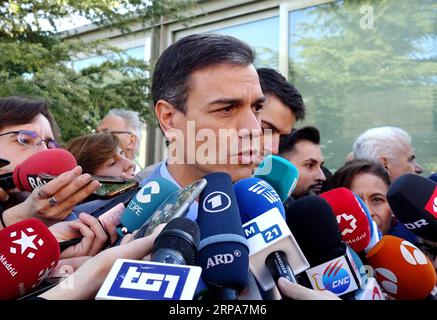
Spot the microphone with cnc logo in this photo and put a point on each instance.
(274, 252)
(28, 252)
(313, 224)
(144, 204)
(25, 176)
(413, 200)
(223, 250)
(280, 173)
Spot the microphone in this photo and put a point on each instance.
(26, 175)
(403, 271)
(144, 204)
(169, 276)
(370, 289)
(28, 252)
(177, 243)
(313, 224)
(280, 173)
(375, 233)
(413, 200)
(351, 218)
(223, 250)
(272, 247)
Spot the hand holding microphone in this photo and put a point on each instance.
(91, 233)
(297, 292)
(54, 200)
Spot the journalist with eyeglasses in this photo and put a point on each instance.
(27, 127)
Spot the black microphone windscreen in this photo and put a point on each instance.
(413, 200)
(182, 235)
(315, 228)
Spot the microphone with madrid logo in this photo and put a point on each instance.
(413, 200)
(351, 218)
(28, 252)
(402, 270)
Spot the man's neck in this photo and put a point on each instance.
(184, 174)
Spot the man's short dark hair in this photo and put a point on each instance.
(176, 64)
(288, 141)
(274, 83)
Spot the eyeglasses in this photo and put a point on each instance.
(113, 131)
(31, 139)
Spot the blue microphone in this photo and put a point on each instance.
(223, 251)
(274, 252)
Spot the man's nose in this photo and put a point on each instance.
(249, 124)
(417, 168)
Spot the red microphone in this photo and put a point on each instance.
(28, 252)
(50, 161)
(351, 218)
(403, 271)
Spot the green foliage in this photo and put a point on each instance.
(35, 62)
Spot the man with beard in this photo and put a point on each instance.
(302, 148)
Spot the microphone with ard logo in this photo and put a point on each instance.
(351, 218)
(403, 271)
(223, 251)
(273, 251)
(313, 224)
(169, 276)
(28, 252)
(280, 173)
(413, 200)
(144, 204)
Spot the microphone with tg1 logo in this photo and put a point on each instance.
(169, 276)
(223, 250)
(313, 224)
(273, 251)
(413, 200)
(280, 173)
(144, 204)
(26, 175)
(28, 252)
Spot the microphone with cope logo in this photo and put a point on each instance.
(413, 200)
(223, 250)
(274, 252)
(280, 173)
(169, 276)
(403, 271)
(26, 175)
(144, 204)
(28, 252)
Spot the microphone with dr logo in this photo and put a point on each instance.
(274, 252)
(144, 204)
(413, 200)
(169, 276)
(223, 250)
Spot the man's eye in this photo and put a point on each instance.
(257, 108)
(227, 109)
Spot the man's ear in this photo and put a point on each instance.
(132, 141)
(166, 114)
(385, 163)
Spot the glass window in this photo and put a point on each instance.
(137, 53)
(362, 64)
(262, 36)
